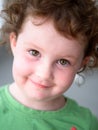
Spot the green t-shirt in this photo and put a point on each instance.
(15, 116)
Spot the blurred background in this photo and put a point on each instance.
(85, 92)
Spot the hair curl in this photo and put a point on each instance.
(75, 18)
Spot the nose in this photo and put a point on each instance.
(44, 71)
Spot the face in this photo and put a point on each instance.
(45, 62)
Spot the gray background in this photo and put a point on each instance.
(86, 94)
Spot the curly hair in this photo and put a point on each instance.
(75, 18)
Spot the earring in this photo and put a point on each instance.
(79, 79)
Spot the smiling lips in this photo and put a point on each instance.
(40, 85)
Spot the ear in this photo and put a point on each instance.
(85, 61)
(13, 41)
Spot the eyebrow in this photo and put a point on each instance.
(70, 57)
(31, 45)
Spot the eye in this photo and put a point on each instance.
(34, 52)
(63, 62)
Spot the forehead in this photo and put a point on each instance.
(42, 28)
(38, 21)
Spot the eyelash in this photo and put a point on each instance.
(34, 53)
(63, 62)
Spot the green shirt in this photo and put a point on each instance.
(15, 116)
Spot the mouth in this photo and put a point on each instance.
(39, 85)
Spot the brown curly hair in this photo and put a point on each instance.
(75, 18)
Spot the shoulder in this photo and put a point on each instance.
(83, 114)
(79, 110)
(3, 90)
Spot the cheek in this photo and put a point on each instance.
(65, 78)
(21, 67)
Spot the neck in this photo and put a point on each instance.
(51, 105)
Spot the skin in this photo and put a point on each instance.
(44, 66)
